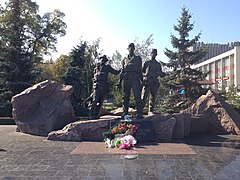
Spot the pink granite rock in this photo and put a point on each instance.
(87, 130)
(68, 133)
(212, 114)
(163, 126)
(182, 126)
(43, 108)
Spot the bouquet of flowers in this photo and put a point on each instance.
(121, 135)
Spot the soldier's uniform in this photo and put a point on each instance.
(100, 88)
(132, 76)
(151, 71)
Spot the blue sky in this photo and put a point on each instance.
(119, 22)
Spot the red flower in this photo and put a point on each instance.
(114, 130)
(123, 128)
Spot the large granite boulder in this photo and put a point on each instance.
(212, 114)
(43, 108)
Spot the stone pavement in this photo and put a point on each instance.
(140, 148)
(25, 156)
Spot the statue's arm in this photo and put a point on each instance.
(113, 71)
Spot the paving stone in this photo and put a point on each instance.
(40, 173)
(91, 178)
(73, 173)
(52, 178)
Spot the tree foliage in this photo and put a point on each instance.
(92, 54)
(25, 37)
(232, 96)
(115, 94)
(144, 47)
(182, 81)
(60, 67)
(46, 68)
(74, 75)
(116, 60)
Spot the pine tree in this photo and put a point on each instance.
(16, 67)
(75, 75)
(181, 81)
(5, 94)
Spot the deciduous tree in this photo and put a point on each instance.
(60, 67)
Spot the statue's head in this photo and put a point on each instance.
(103, 59)
(131, 47)
(154, 53)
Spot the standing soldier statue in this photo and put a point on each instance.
(131, 74)
(100, 87)
(151, 71)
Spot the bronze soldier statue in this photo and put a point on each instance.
(100, 87)
(131, 74)
(151, 71)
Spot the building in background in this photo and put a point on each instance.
(223, 64)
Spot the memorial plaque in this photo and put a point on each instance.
(145, 131)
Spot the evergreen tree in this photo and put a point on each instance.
(75, 76)
(181, 81)
(5, 94)
(16, 67)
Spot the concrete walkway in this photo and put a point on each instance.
(25, 156)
